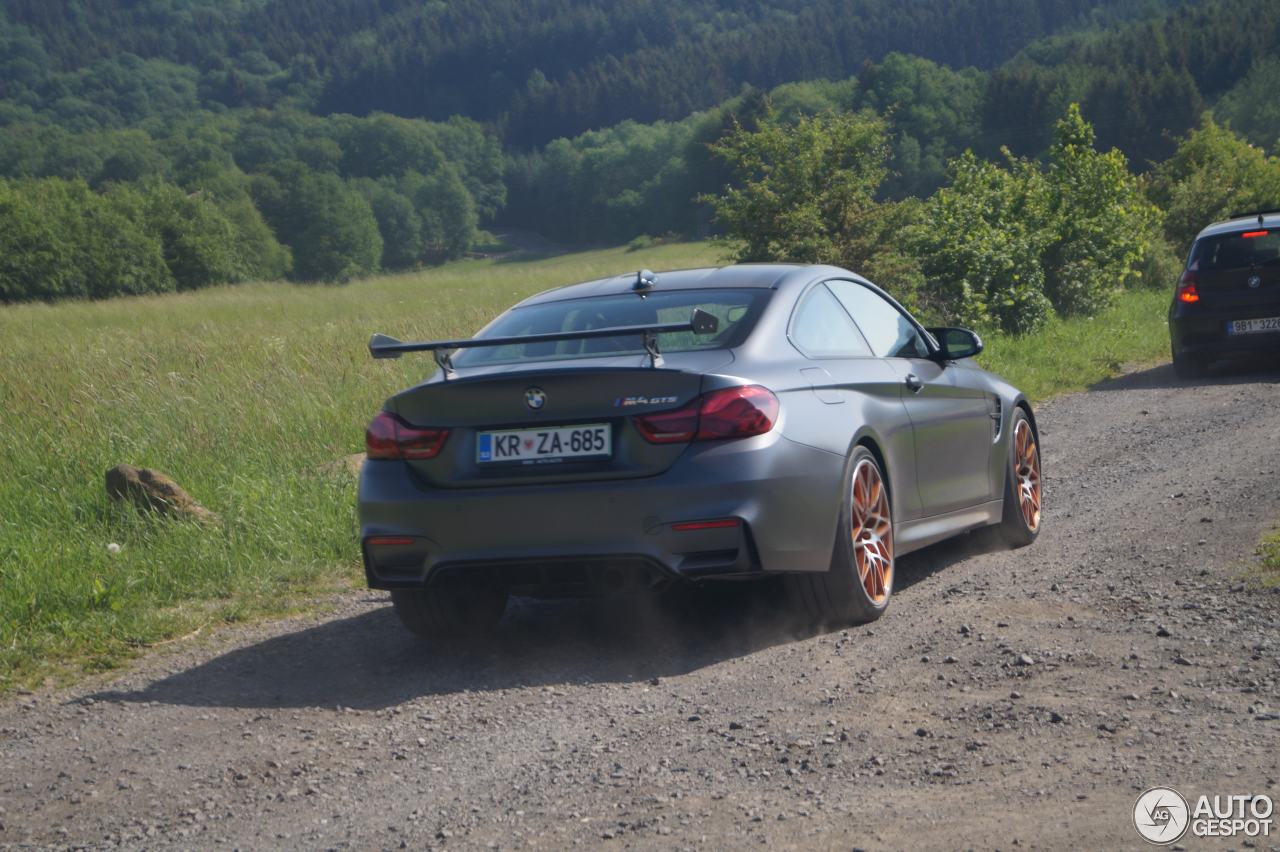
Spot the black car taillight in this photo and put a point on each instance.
(389, 437)
(1187, 288)
(740, 412)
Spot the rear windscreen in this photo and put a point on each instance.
(736, 310)
(1240, 250)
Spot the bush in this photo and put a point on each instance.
(101, 246)
(1003, 245)
(1213, 174)
(801, 189)
(1101, 224)
(979, 246)
(34, 262)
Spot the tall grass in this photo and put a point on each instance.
(1075, 353)
(243, 395)
(1269, 559)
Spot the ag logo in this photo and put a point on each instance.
(1161, 815)
(1255, 281)
(535, 398)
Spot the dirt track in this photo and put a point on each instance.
(1006, 700)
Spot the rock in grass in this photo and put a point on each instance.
(347, 466)
(154, 491)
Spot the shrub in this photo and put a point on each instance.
(1101, 224)
(979, 246)
(101, 241)
(1213, 174)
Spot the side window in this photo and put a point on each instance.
(822, 329)
(886, 328)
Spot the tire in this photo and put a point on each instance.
(1023, 484)
(857, 587)
(449, 612)
(1188, 367)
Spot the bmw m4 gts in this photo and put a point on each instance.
(696, 425)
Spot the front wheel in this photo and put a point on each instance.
(1023, 490)
(856, 588)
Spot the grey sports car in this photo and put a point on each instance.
(697, 425)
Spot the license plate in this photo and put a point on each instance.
(545, 444)
(1253, 326)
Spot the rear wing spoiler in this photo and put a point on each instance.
(700, 323)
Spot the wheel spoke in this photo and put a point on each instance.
(871, 530)
(1026, 471)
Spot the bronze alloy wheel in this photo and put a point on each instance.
(1026, 472)
(872, 531)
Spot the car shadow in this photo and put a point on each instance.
(1226, 372)
(370, 662)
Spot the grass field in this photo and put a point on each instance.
(1269, 554)
(242, 394)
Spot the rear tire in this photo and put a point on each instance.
(857, 587)
(439, 613)
(1188, 366)
(1023, 486)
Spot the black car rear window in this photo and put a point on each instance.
(737, 311)
(1241, 250)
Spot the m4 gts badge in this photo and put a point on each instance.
(628, 401)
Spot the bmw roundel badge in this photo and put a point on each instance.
(1255, 281)
(535, 398)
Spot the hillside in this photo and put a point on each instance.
(170, 145)
(537, 69)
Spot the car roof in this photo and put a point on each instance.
(1265, 219)
(739, 276)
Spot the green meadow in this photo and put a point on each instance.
(244, 395)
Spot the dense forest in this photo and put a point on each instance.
(207, 141)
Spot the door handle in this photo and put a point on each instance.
(913, 383)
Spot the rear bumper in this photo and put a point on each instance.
(1202, 332)
(785, 496)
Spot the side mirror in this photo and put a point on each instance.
(956, 343)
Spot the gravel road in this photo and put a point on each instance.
(1008, 699)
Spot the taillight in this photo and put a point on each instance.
(737, 413)
(740, 412)
(677, 426)
(389, 437)
(1187, 288)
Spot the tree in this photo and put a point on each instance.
(1100, 223)
(805, 193)
(1213, 174)
(327, 224)
(980, 244)
(1001, 245)
(398, 223)
(200, 243)
(800, 189)
(446, 210)
(34, 261)
(112, 251)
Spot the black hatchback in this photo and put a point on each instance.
(1228, 299)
